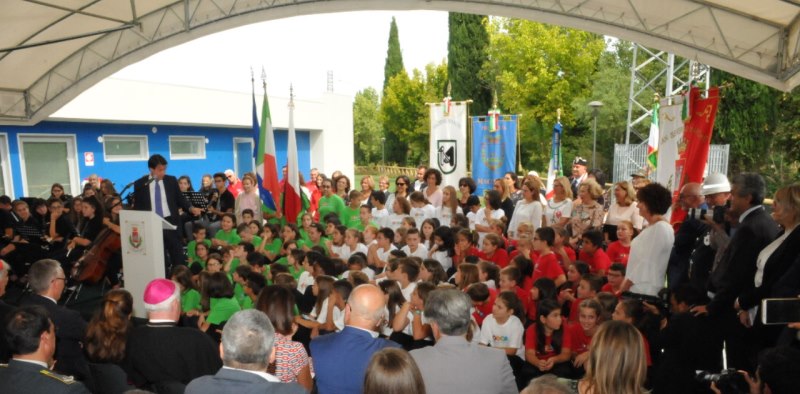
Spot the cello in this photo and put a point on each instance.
(93, 264)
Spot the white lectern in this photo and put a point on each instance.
(142, 252)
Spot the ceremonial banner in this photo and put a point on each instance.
(554, 169)
(670, 130)
(493, 152)
(696, 141)
(448, 143)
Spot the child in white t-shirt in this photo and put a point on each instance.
(421, 209)
(503, 329)
(413, 246)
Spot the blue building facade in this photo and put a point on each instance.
(34, 157)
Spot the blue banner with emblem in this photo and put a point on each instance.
(493, 152)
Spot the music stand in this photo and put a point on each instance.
(197, 199)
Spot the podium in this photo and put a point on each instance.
(142, 252)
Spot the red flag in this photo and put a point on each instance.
(697, 139)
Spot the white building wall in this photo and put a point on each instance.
(329, 117)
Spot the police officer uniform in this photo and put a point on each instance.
(24, 377)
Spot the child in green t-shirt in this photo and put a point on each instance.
(270, 242)
(253, 285)
(190, 297)
(349, 216)
(295, 259)
(226, 236)
(199, 234)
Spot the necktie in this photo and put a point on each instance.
(159, 209)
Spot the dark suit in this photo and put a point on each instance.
(341, 359)
(240, 382)
(682, 247)
(22, 377)
(175, 200)
(70, 332)
(734, 276)
(454, 365)
(5, 352)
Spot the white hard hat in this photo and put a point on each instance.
(716, 183)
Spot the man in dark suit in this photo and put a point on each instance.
(47, 280)
(735, 271)
(341, 359)
(579, 174)
(5, 310)
(159, 193)
(478, 369)
(247, 350)
(32, 336)
(161, 354)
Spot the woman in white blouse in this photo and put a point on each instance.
(528, 210)
(558, 210)
(775, 259)
(647, 263)
(623, 208)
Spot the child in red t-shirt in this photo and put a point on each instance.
(547, 346)
(615, 277)
(525, 267)
(492, 250)
(465, 246)
(489, 273)
(592, 252)
(619, 250)
(482, 300)
(564, 252)
(581, 332)
(547, 264)
(509, 281)
(588, 287)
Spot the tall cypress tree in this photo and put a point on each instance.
(393, 67)
(466, 54)
(394, 57)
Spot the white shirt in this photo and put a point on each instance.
(554, 211)
(338, 315)
(266, 376)
(472, 218)
(443, 259)
(421, 214)
(525, 212)
(421, 252)
(304, 281)
(164, 206)
(379, 214)
(409, 290)
(369, 272)
(393, 221)
(345, 252)
(445, 215)
(647, 262)
(483, 221)
(617, 213)
(506, 335)
(383, 255)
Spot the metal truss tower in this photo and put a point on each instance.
(657, 72)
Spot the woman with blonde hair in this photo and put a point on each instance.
(559, 208)
(528, 210)
(617, 363)
(505, 197)
(249, 198)
(623, 208)
(587, 213)
(367, 187)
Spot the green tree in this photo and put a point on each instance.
(405, 116)
(610, 84)
(367, 128)
(747, 119)
(467, 51)
(540, 68)
(394, 56)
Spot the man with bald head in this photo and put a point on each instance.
(340, 359)
(692, 201)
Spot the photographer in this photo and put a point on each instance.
(709, 244)
(690, 200)
(734, 273)
(778, 373)
(688, 343)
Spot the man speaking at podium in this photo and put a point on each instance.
(159, 193)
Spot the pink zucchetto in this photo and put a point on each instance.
(158, 291)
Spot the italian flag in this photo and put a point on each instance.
(264, 155)
(295, 201)
(652, 140)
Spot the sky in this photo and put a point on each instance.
(300, 51)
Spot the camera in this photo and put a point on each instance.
(716, 214)
(728, 381)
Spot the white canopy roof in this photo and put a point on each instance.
(52, 50)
